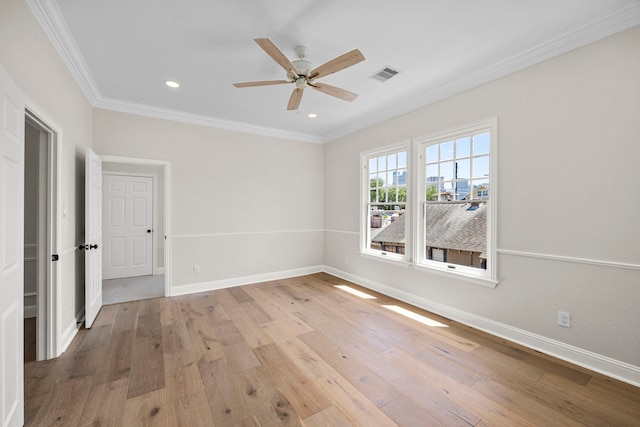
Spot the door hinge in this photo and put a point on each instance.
(55, 257)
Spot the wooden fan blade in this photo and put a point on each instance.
(262, 83)
(277, 56)
(335, 91)
(294, 101)
(337, 64)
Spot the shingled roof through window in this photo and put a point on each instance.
(449, 226)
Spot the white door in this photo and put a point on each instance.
(128, 218)
(93, 237)
(11, 252)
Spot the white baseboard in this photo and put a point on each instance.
(67, 336)
(587, 359)
(239, 281)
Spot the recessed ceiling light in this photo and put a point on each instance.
(172, 84)
(312, 115)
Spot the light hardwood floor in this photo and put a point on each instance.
(302, 352)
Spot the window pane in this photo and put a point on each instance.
(373, 165)
(446, 170)
(480, 167)
(480, 189)
(432, 153)
(446, 150)
(481, 144)
(462, 189)
(402, 159)
(432, 172)
(463, 147)
(391, 161)
(464, 168)
(382, 163)
(456, 233)
(387, 229)
(402, 177)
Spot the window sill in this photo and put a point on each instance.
(482, 281)
(395, 260)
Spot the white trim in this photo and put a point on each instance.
(596, 362)
(246, 280)
(201, 120)
(49, 304)
(52, 22)
(69, 333)
(329, 230)
(166, 174)
(244, 233)
(561, 258)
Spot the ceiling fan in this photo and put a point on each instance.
(302, 74)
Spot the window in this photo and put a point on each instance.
(447, 222)
(454, 226)
(385, 189)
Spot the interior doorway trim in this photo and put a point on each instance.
(49, 335)
(166, 167)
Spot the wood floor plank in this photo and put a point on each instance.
(185, 390)
(118, 362)
(328, 417)
(305, 398)
(203, 339)
(225, 396)
(65, 404)
(338, 390)
(105, 404)
(269, 406)
(147, 364)
(376, 389)
(149, 410)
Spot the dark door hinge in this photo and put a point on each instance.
(55, 257)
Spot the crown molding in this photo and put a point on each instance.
(573, 38)
(202, 120)
(54, 25)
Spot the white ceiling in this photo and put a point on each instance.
(121, 52)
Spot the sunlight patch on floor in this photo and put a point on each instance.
(415, 316)
(355, 292)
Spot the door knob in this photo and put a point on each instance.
(93, 246)
(149, 231)
(82, 247)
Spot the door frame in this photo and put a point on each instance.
(48, 332)
(166, 176)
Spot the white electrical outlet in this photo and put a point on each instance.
(346, 260)
(564, 319)
(196, 269)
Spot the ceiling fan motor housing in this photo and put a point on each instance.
(302, 65)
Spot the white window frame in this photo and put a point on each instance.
(486, 277)
(365, 203)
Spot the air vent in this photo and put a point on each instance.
(385, 74)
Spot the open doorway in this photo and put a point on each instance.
(40, 237)
(131, 282)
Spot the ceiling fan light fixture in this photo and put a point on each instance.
(301, 82)
(172, 84)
